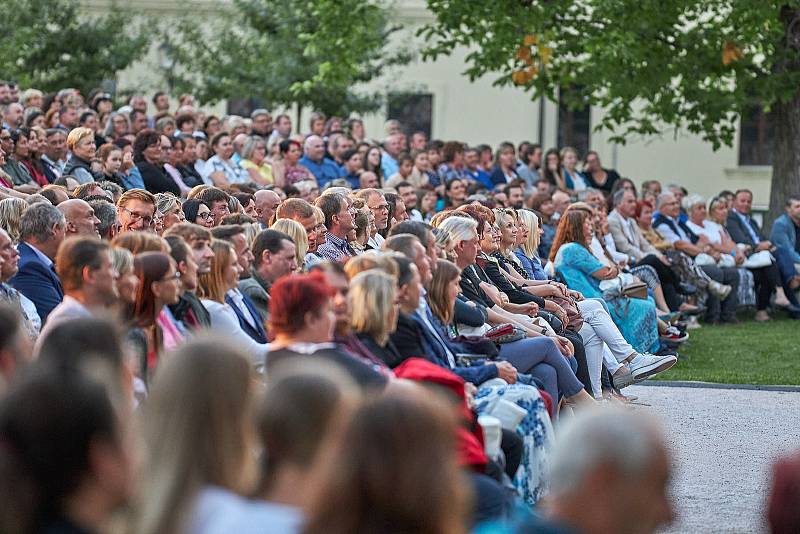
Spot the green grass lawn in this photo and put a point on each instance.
(746, 353)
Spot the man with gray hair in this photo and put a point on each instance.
(323, 169)
(42, 229)
(628, 239)
(339, 222)
(106, 212)
(609, 472)
(262, 123)
(721, 282)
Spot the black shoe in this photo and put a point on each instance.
(685, 288)
(793, 309)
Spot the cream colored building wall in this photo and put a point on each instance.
(480, 113)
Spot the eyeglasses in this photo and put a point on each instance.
(205, 215)
(147, 219)
(174, 276)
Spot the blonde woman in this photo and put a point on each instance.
(374, 312)
(298, 234)
(200, 441)
(10, 214)
(80, 143)
(526, 251)
(223, 277)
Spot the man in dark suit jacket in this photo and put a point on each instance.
(249, 318)
(743, 229)
(740, 224)
(42, 229)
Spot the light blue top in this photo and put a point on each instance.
(219, 511)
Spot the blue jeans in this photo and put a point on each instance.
(783, 257)
(540, 357)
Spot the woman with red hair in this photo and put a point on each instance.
(301, 322)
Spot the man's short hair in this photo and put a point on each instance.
(459, 228)
(398, 185)
(271, 240)
(365, 194)
(82, 191)
(294, 208)
(227, 231)
(619, 195)
(736, 194)
(258, 112)
(330, 206)
(75, 254)
(792, 198)
(107, 213)
(404, 244)
(136, 194)
(190, 232)
(37, 222)
(663, 197)
(211, 195)
(416, 228)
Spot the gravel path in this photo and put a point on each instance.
(723, 442)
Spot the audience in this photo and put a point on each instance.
(390, 374)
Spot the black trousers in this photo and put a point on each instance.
(766, 279)
(716, 310)
(669, 281)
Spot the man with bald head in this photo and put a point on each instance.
(80, 218)
(266, 203)
(323, 169)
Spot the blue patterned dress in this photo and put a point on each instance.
(535, 429)
(635, 318)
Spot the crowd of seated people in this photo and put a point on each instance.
(323, 333)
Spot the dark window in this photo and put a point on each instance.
(756, 137)
(574, 127)
(413, 110)
(243, 106)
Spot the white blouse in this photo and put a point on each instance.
(713, 231)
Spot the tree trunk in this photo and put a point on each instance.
(786, 148)
(297, 127)
(785, 158)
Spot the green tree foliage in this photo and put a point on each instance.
(53, 44)
(651, 64)
(310, 53)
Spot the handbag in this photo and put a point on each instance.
(505, 333)
(758, 260)
(623, 285)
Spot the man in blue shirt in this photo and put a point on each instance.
(323, 169)
(471, 162)
(392, 147)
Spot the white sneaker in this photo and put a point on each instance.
(721, 291)
(645, 365)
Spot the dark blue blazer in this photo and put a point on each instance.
(258, 334)
(37, 281)
(739, 233)
(434, 352)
